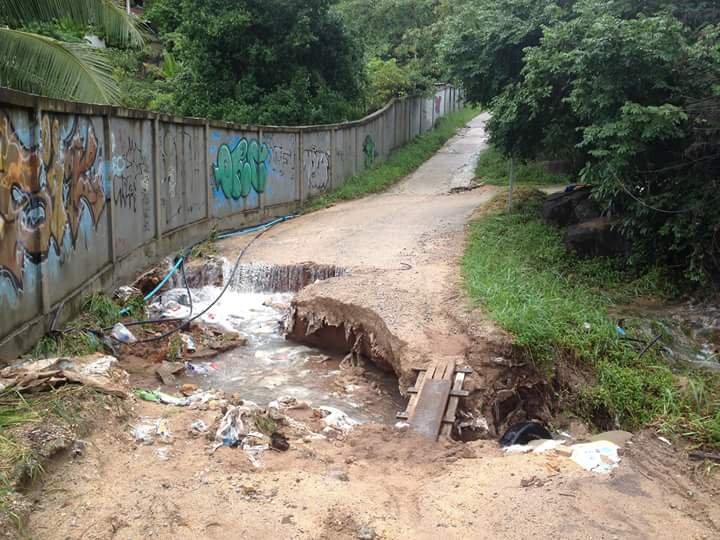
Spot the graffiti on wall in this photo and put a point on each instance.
(241, 169)
(44, 191)
(369, 151)
(131, 180)
(316, 168)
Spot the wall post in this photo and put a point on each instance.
(261, 196)
(206, 173)
(44, 278)
(156, 168)
(107, 151)
(300, 172)
(331, 161)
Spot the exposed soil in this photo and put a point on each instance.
(400, 305)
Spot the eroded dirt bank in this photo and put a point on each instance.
(399, 305)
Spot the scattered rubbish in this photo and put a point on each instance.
(540, 446)
(200, 368)
(147, 395)
(617, 437)
(598, 456)
(231, 428)
(167, 370)
(125, 293)
(532, 481)
(336, 419)
(620, 331)
(172, 400)
(524, 432)
(188, 342)
(144, 432)
(586, 326)
(198, 427)
(163, 431)
(162, 453)
(402, 426)
(279, 441)
(78, 448)
(95, 371)
(366, 533)
(697, 454)
(666, 441)
(122, 334)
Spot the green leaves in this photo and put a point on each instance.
(41, 65)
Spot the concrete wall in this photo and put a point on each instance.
(90, 195)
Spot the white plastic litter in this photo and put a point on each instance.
(122, 334)
(188, 342)
(336, 419)
(517, 449)
(598, 456)
(547, 445)
(198, 427)
(101, 366)
(144, 432)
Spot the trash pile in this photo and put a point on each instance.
(97, 371)
(600, 454)
(241, 424)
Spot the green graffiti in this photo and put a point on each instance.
(369, 151)
(244, 168)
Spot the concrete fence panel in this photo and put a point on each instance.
(90, 195)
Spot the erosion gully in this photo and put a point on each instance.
(269, 366)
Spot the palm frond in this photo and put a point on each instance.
(108, 16)
(42, 65)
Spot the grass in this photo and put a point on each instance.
(400, 163)
(556, 306)
(98, 311)
(492, 168)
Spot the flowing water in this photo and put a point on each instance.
(269, 366)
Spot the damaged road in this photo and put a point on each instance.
(397, 303)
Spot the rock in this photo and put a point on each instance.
(188, 389)
(366, 533)
(532, 481)
(567, 208)
(595, 238)
(617, 437)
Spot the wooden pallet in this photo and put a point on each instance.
(434, 398)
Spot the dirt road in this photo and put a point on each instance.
(402, 295)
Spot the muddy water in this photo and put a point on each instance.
(270, 367)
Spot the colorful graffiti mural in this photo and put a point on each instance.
(369, 151)
(243, 168)
(44, 190)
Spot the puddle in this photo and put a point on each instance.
(269, 366)
(690, 332)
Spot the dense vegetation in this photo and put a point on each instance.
(626, 91)
(556, 305)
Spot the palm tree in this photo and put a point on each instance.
(38, 64)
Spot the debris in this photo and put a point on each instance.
(169, 399)
(540, 446)
(337, 474)
(147, 395)
(198, 427)
(125, 293)
(188, 342)
(666, 441)
(96, 371)
(78, 448)
(163, 453)
(401, 426)
(200, 368)
(163, 431)
(697, 454)
(167, 370)
(144, 432)
(532, 481)
(598, 456)
(524, 432)
(617, 437)
(336, 419)
(122, 334)
(366, 533)
(188, 389)
(279, 441)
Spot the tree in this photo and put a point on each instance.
(275, 61)
(39, 64)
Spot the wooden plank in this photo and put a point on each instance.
(430, 408)
(452, 405)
